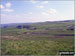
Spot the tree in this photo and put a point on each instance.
(19, 27)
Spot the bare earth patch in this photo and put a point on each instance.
(9, 37)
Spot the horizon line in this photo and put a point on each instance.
(37, 22)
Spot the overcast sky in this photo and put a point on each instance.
(36, 11)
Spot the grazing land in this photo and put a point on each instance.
(43, 38)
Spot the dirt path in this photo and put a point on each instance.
(9, 37)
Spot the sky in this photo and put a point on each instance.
(35, 11)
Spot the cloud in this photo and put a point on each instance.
(44, 13)
(8, 5)
(3, 15)
(52, 11)
(1, 6)
(30, 13)
(45, 2)
(41, 6)
(16, 18)
(8, 10)
(33, 1)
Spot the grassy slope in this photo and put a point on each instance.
(36, 44)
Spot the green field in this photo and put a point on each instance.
(46, 39)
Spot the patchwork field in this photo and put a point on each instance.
(46, 38)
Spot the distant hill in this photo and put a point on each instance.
(37, 23)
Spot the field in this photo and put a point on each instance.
(46, 38)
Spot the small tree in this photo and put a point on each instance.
(19, 27)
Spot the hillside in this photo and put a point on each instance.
(42, 38)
